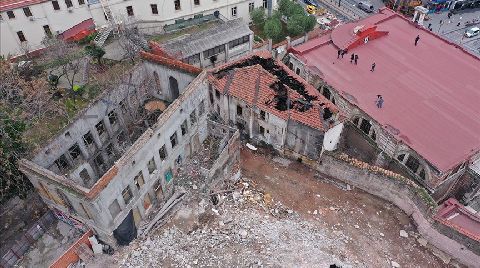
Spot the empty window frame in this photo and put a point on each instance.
(88, 138)
(262, 115)
(68, 3)
(239, 41)
(81, 2)
(177, 4)
(154, 9)
(138, 180)
(127, 195)
(365, 126)
(151, 166)
(184, 127)
(163, 152)
(100, 127)
(99, 162)
(55, 5)
(62, 163)
(217, 94)
(47, 30)
(239, 110)
(262, 131)
(194, 59)
(201, 108)
(173, 140)
(10, 14)
(130, 11)
(27, 11)
(21, 36)
(74, 151)
(265, 4)
(112, 118)
(196, 2)
(234, 11)
(412, 163)
(193, 117)
(213, 51)
(251, 6)
(84, 176)
(109, 150)
(114, 208)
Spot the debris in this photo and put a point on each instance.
(382, 235)
(395, 264)
(243, 233)
(315, 212)
(176, 198)
(251, 147)
(422, 241)
(403, 233)
(356, 226)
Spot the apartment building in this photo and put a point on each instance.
(24, 23)
(418, 120)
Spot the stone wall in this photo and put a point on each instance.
(403, 194)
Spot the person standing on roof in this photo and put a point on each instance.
(352, 58)
(379, 101)
(344, 51)
(339, 52)
(355, 59)
(416, 39)
(373, 67)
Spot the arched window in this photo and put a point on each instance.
(413, 164)
(173, 87)
(365, 126)
(326, 93)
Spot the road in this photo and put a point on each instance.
(453, 31)
(345, 10)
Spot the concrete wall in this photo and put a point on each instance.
(404, 197)
(161, 87)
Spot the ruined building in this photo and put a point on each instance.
(428, 125)
(271, 104)
(121, 154)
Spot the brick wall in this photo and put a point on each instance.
(70, 256)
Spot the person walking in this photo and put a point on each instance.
(344, 51)
(356, 59)
(373, 67)
(352, 58)
(339, 52)
(416, 39)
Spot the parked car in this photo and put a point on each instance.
(474, 31)
(365, 6)
(311, 9)
(311, 2)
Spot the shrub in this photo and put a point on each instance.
(273, 29)
(258, 16)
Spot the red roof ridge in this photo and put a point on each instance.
(6, 5)
(170, 62)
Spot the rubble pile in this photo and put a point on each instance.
(236, 232)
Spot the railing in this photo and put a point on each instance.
(16, 252)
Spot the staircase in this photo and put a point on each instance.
(102, 36)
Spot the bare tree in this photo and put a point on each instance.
(131, 40)
(67, 60)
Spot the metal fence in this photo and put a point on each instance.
(22, 244)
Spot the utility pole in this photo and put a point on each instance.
(339, 1)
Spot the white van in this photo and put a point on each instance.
(366, 6)
(474, 31)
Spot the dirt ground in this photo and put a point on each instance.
(280, 214)
(341, 211)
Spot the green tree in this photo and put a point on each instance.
(273, 29)
(95, 52)
(309, 23)
(289, 8)
(12, 148)
(295, 25)
(258, 16)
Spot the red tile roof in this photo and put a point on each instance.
(243, 83)
(431, 91)
(6, 5)
(454, 215)
(170, 62)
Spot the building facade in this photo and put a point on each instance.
(412, 130)
(24, 23)
(108, 167)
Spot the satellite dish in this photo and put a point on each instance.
(216, 13)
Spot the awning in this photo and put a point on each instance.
(79, 31)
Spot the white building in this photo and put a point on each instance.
(24, 23)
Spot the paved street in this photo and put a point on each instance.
(454, 32)
(348, 10)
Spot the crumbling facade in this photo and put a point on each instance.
(271, 104)
(120, 155)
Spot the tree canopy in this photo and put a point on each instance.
(258, 16)
(273, 29)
